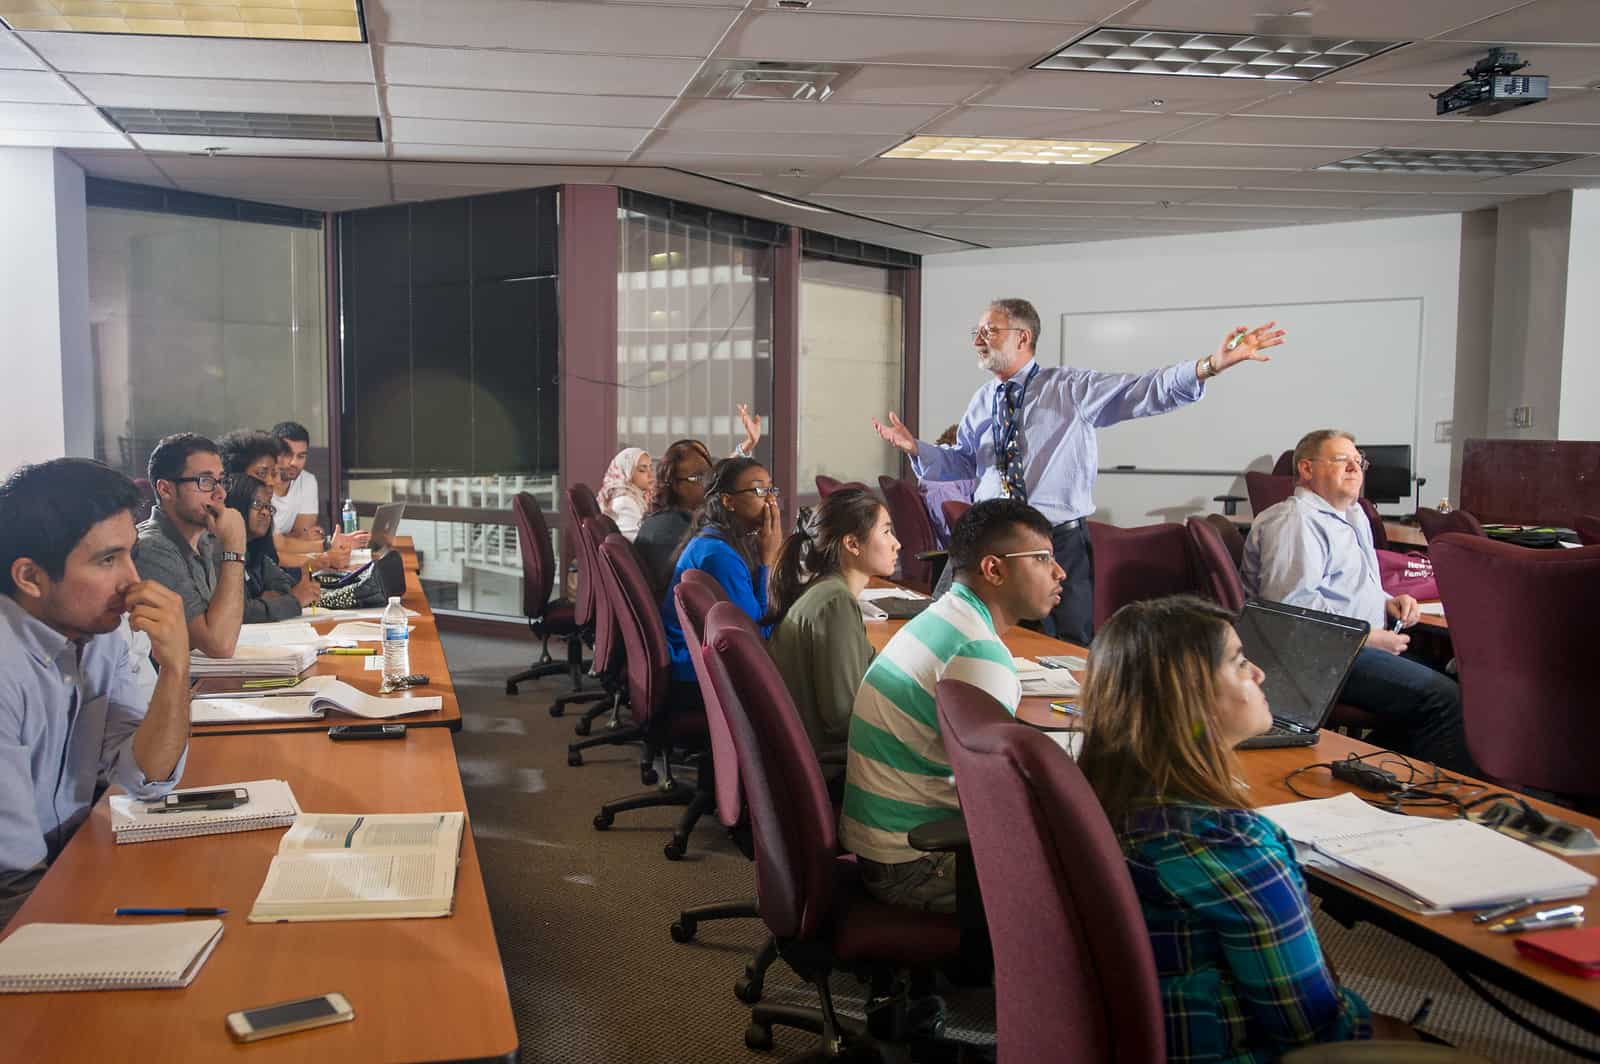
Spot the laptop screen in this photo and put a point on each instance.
(1306, 655)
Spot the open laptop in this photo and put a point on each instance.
(384, 523)
(1306, 655)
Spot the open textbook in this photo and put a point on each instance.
(335, 866)
(1434, 864)
(311, 699)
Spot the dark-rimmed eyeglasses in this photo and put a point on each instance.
(261, 507)
(205, 483)
(760, 491)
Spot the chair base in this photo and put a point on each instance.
(586, 722)
(575, 666)
(688, 922)
(632, 733)
(558, 708)
(673, 794)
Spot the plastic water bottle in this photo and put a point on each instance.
(1444, 506)
(396, 641)
(347, 517)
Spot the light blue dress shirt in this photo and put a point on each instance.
(1306, 553)
(1060, 411)
(67, 719)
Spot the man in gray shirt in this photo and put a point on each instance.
(1315, 549)
(72, 720)
(193, 543)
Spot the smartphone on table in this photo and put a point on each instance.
(346, 732)
(188, 801)
(286, 1017)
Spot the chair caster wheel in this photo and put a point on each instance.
(675, 848)
(511, 688)
(574, 758)
(602, 821)
(581, 728)
(758, 1037)
(748, 990)
(555, 711)
(683, 930)
(648, 776)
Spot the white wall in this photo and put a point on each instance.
(1394, 258)
(1532, 240)
(1580, 349)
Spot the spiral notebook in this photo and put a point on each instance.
(164, 956)
(271, 805)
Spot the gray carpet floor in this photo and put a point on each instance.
(582, 916)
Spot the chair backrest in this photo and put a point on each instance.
(1215, 570)
(1133, 564)
(583, 602)
(1230, 535)
(1588, 529)
(694, 597)
(1063, 916)
(644, 640)
(827, 485)
(912, 528)
(1436, 523)
(538, 557)
(1380, 535)
(953, 510)
(1266, 489)
(791, 818)
(583, 501)
(147, 499)
(609, 652)
(1284, 466)
(1521, 623)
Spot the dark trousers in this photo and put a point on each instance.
(1073, 618)
(1421, 705)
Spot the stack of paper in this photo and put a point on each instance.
(310, 700)
(289, 660)
(271, 805)
(106, 956)
(277, 634)
(1038, 680)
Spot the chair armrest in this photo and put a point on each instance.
(940, 835)
(931, 555)
(1230, 503)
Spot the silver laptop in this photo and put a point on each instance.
(384, 523)
(1306, 654)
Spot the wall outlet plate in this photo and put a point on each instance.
(1443, 431)
(1522, 417)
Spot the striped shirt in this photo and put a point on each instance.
(898, 775)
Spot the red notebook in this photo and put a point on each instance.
(1575, 951)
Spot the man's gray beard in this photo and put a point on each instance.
(991, 360)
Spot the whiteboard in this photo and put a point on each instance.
(1347, 364)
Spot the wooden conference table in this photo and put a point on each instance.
(422, 990)
(1452, 937)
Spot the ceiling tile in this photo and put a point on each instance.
(75, 118)
(961, 190)
(883, 39)
(1566, 106)
(1554, 21)
(934, 170)
(1323, 99)
(1306, 132)
(14, 55)
(1324, 199)
(105, 53)
(1230, 156)
(489, 176)
(57, 138)
(333, 175)
(640, 112)
(1037, 10)
(760, 116)
(35, 86)
(279, 97)
(1360, 182)
(1532, 184)
(773, 166)
(533, 72)
(1439, 204)
(1437, 65)
(458, 152)
(1371, 19)
(1577, 167)
(1075, 89)
(1048, 213)
(513, 135)
(894, 204)
(536, 25)
(1034, 122)
(835, 145)
(876, 83)
(259, 145)
(126, 165)
(1242, 213)
(1108, 173)
(1049, 195)
(1511, 136)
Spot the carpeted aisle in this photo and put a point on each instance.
(582, 916)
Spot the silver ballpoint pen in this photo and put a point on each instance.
(1547, 920)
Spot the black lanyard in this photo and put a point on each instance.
(1000, 443)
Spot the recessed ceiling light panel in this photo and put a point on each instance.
(243, 124)
(1461, 163)
(752, 79)
(278, 20)
(1110, 49)
(1008, 150)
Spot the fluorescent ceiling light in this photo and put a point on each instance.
(278, 20)
(1111, 49)
(796, 204)
(243, 124)
(1009, 150)
(1464, 163)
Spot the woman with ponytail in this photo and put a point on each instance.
(819, 642)
(735, 538)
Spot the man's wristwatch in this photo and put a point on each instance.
(1203, 369)
(232, 556)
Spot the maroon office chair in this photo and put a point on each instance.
(1521, 621)
(1588, 529)
(147, 499)
(665, 719)
(1266, 490)
(1230, 535)
(1284, 466)
(1216, 572)
(912, 528)
(1133, 564)
(1380, 535)
(609, 661)
(546, 618)
(827, 485)
(953, 512)
(579, 500)
(1436, 523)
(1064, 919)
(811, 897)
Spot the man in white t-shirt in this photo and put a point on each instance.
(294, 501)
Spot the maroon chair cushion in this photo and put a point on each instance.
(953, 511)
(827, 485)
(1588, 529)
(1230, 535)
(538, 558)
(1522, 624)
(608, 649)
(868, 930)
(1284, 466)
(1267, 490)
(584, 504)
(639, 620)
(584, 594)
(1380, 535)
(1216, 571)
(1075, 976)
(1436, 523)
(912, 528)
(694, 597)
(1133, 564)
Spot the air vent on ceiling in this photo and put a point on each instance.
(243, 124)
(1461, 163)
(1112, 49)
(748, 79)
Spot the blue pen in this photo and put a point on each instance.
(169, 912)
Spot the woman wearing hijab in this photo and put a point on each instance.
(624, 493)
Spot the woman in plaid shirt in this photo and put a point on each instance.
(1168, 695)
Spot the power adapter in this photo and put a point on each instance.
(1367, 777)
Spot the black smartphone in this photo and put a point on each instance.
(188, 801)
(345, 732)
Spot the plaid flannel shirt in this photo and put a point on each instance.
(1242, 975)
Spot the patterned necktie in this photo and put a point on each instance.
(1009, 460)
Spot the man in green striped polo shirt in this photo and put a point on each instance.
(898, 775)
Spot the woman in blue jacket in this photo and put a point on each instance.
(736, 539)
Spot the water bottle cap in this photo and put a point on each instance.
(394, 600)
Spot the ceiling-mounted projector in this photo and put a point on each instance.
(1493, 86)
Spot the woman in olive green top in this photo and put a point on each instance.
(819, 641)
